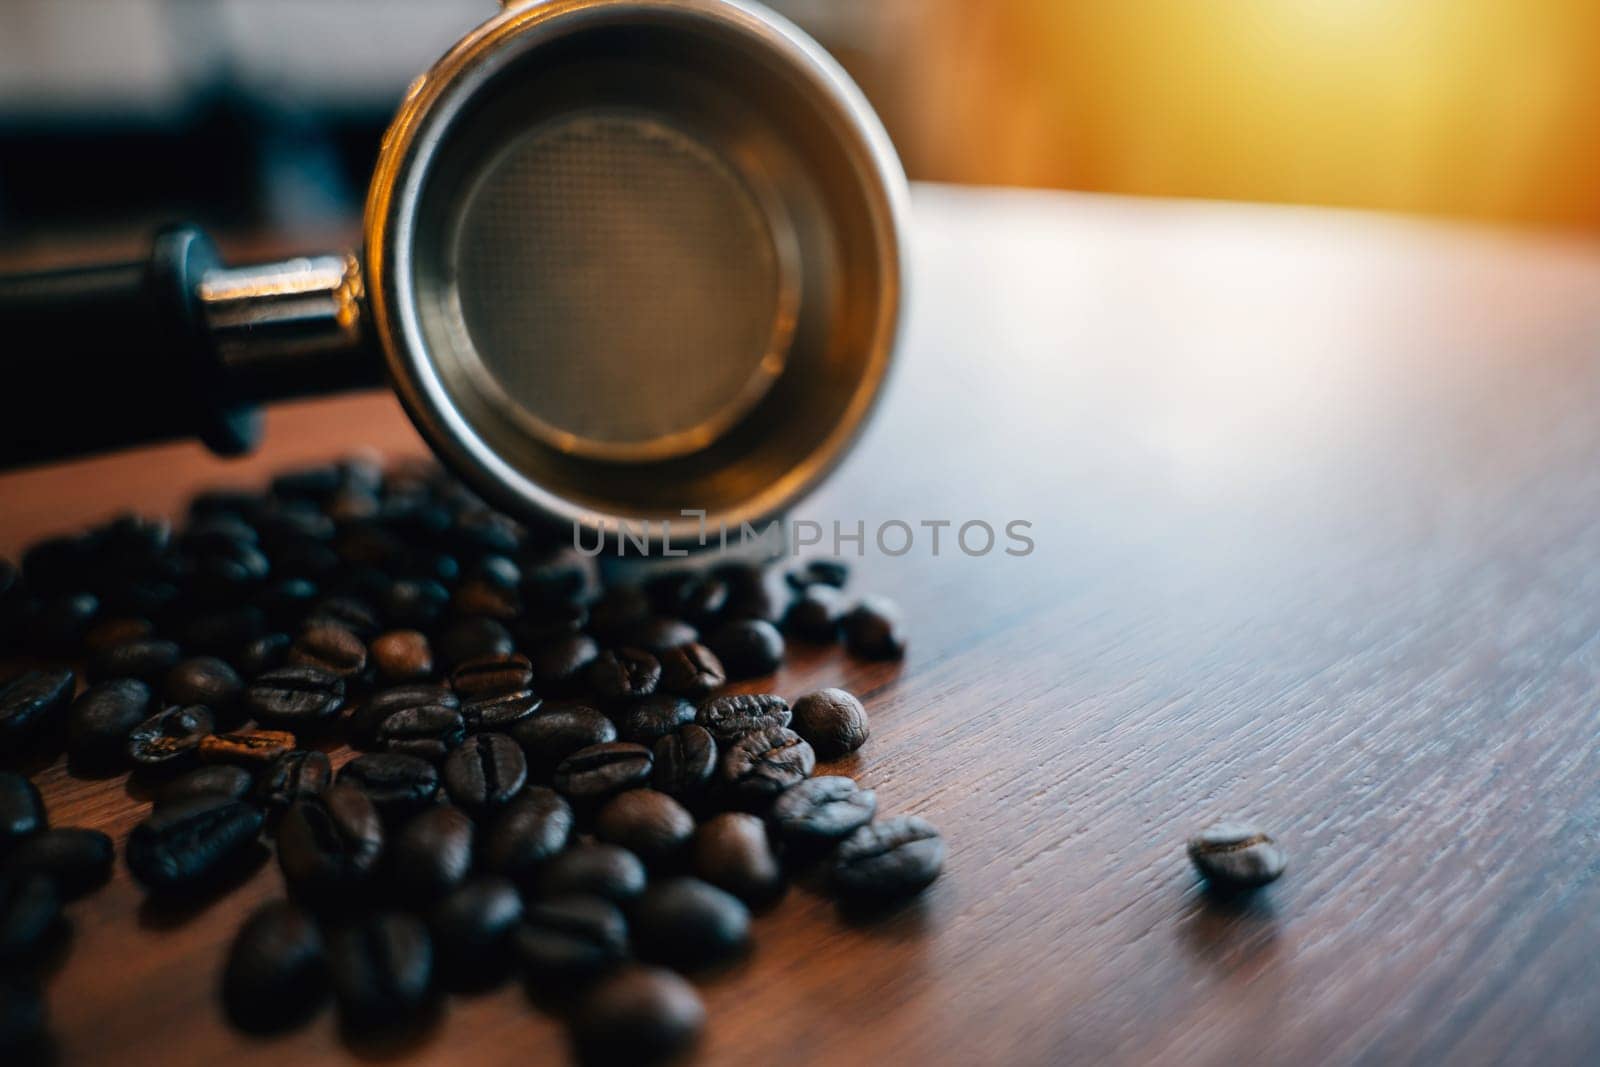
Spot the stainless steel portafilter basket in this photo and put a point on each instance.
(623, 258)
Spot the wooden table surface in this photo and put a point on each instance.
(1316, 506)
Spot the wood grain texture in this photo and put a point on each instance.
(1316, 503)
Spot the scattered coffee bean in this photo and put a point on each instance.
(170, 740)
(593, 870)
(873, 629)
(147, 659)
(329, 844)
(648, 823)
(820, 811)
(751, 594)
(277, 969)
(432, 853)
(294, 696)
(1234, 857)
(30, 702)
(888, 860)
(558, 664)
(109, 633)
(401, 656)
(399, 785)
(815, 615)
(691, 671)
(30, 911)
(624, 674)
(731, 717)
(204, 680)
(499, 713)
(222, 782)
(296, 775)
(571, 940)
(653, 718)
(661, 633)
(100, 720)
(558, 731)
(530, 832)
(639, 1015)
(470, 638)
(472, 929)
(246, 748)
(429, 731)
(832, 721)
(732, 852)
(188, 846)
(600, 770)
(686, 924)
(364, 722)
(747, 648)
(266, 653)
(382, 968)
(76, 860)
(492, 676)
(329, 648)
(685, 762)
(761, 765)
(619, 608)
(21, 811)
(58, 626)
(485, 772)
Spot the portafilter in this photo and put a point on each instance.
(622, 258)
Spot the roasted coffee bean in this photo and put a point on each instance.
(100, 720)
(653, 718)
(639, 1015)
(692, 671)
(416, 602)
(685, 762)
(148, 660)
(646, 822)
(266, 653)
(686, 923)
(470, 638)
(255, 749)
(1235, 857)
(399, 785)
(832, 721)
(313, 483)
(548, 623)
(751, 593)
(21, 811)
(747, 648)
(485, 772)
(492, 676)
(731, 717)
(76, 860)
(570, 940)
(204, 680)
(224, 631)
(329, 648)
(345, 613)
(28, 704)
(108, 633)
(477, 596)
(499, 713)
(829, 573)
(277, 969)
(170, 740)
(295, 775)
(30, 911)
(222, 782)
(559, 663)
(401, 656)
(820, 811)
(58, 626)
(432, 853)
(887, 860)
(699, 598)
(294, 696)
(600, 870)
(429, 731)
(873, 629)
(600, 770)
(528, 833)
(330, 844)
(732, 852)
(24, 1033)
(287, 600)
(761, 765)
(619, 608)
(472, 929)
(660, 633)
(188, 846)
(624, 674)
(365, 720)
(815, 614)
(382, 967)
(558, 731)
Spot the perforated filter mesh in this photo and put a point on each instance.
(620, 284)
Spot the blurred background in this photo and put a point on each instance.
(245, 114)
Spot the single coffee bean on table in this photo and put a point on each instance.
(432, 853)
(149, 660)
(570, 940)
(624, 674)
(224, 781)
(401, 656)
(885, 861)
(295, 696)
(593, 869)
(731, 851)
(691, 671)
(78, 861)
(689, 924)
(30, 702)
(874, 629)
(247, 748)
(204, 680)
(528, 833)
(652, 718)
(276, 974)
(832, 721)
(648, 823)
(815, 615)
(329, 845)
(558, 731)
(100, 720)
(685, 763)
(430, 732)
(472, 928)
(296, 775)
(30, 912)
(731, 717)
(485, 772)
(399, 785)
(820, 811)
(382, 970)
(22, 812)
(169, 740)
(638, 1015)
(601, 770)
(747, 648)
(188, 846)
(759, 766)
(1236, 857)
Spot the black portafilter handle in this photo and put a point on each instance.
(172, 346)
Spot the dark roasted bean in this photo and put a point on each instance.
(170, 740)
(731, 717)
(492, 676)
(416, 602)
(832, 721)
(571, 939)
(58, 626)
(661, 633)
(329, 844)
(295, 775)
(294, 696)
(30, 911)
(21, 811)
(888, 860)
(815, 615)
(477, 596)
(329, 648)
(399, 785)
(685, 762)
(558, 731)
(485, 772)
(732, 852)
(401, 656)
(287, 600)
(692, 671)
(382, 967)
(432, 853)
(188, 846)
(624, 674)
(204, 680)
(30, 702)
(653, 718)
(501, 712)
(638, 1015)
(761, 765)
(277, 969)
(429, 731)
(600, 770)
(246, 748)
(822, 810)
(266, 653)
(225, 782)
(557, 664)
(224, 631)
(528, 833)
(747, 648)
(751, 594)
(687, 595)
(547, 623)
(108, 633)
(619, 608)
(873, 629)
(148, 660)
(346, 613)
(1235, 857)
(646, 822)
(471, 638)
(77, 861)
(100, 720)
(601, 870)
(366, 719)
(830, 573)
(472, 929)
(686, 923)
